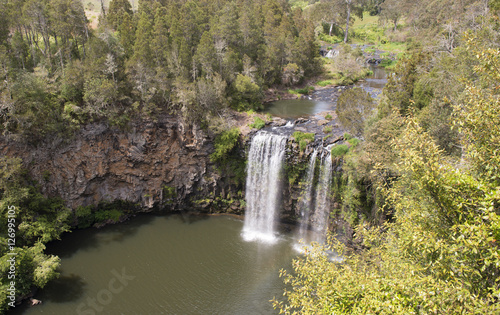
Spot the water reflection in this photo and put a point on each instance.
(293, 109)
(179, 264)
(325, 99)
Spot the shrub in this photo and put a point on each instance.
(169, 192)
(305, 91)
(328, 116)
(303, 139)
(224, 144)
(353, 142)
(247, 94)
(340, 150)
(387, 63)
(353, 108)
(258, 123)
(84, 217)
(292, 74)
(113, 214)
(327, 129)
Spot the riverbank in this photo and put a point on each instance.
(355, 62)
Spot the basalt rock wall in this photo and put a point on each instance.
(162, 164)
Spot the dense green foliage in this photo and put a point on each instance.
(258, 123)
(353, 106)
(303, 138)
(104, 213)
(195, 58)
(339, 150)
(224, 144)
(421, 190)
(37, 220)
(230, 162)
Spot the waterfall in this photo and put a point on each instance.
(306, 204)
(321, 213)
(315, 212)
(265, 161)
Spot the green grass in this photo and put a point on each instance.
(367, 30)
(367, 20)
(330, 39)
(370, 50)
(302, 91)
(325, 83)
(388, 63)
(95, 5)
(298, 3)
(393, 47)
(327, 129)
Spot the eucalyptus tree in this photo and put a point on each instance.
(339, 13)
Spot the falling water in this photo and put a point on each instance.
(265, 161)
(322, 210)
(306, 204)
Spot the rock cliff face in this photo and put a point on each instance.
(163, 164)
(157, 165)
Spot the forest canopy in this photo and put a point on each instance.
(193, 58)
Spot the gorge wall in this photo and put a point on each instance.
(154, 164)
(160, 165)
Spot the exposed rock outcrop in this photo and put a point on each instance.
(163, 164)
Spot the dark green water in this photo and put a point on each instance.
(165, 265)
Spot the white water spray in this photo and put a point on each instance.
(265, 161)
(306, 204)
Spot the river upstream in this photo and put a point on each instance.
(165, 265)
(325, 99)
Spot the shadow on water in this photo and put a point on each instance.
(64, 289)
(91, 238)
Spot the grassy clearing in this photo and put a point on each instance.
(298, 4)
(302, 91)
(95, 5)
(325, 83)
(369, 31)
(367, 20)
(93, 9)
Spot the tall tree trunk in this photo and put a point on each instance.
(331, 29)
(348, 2)
(103, 12)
